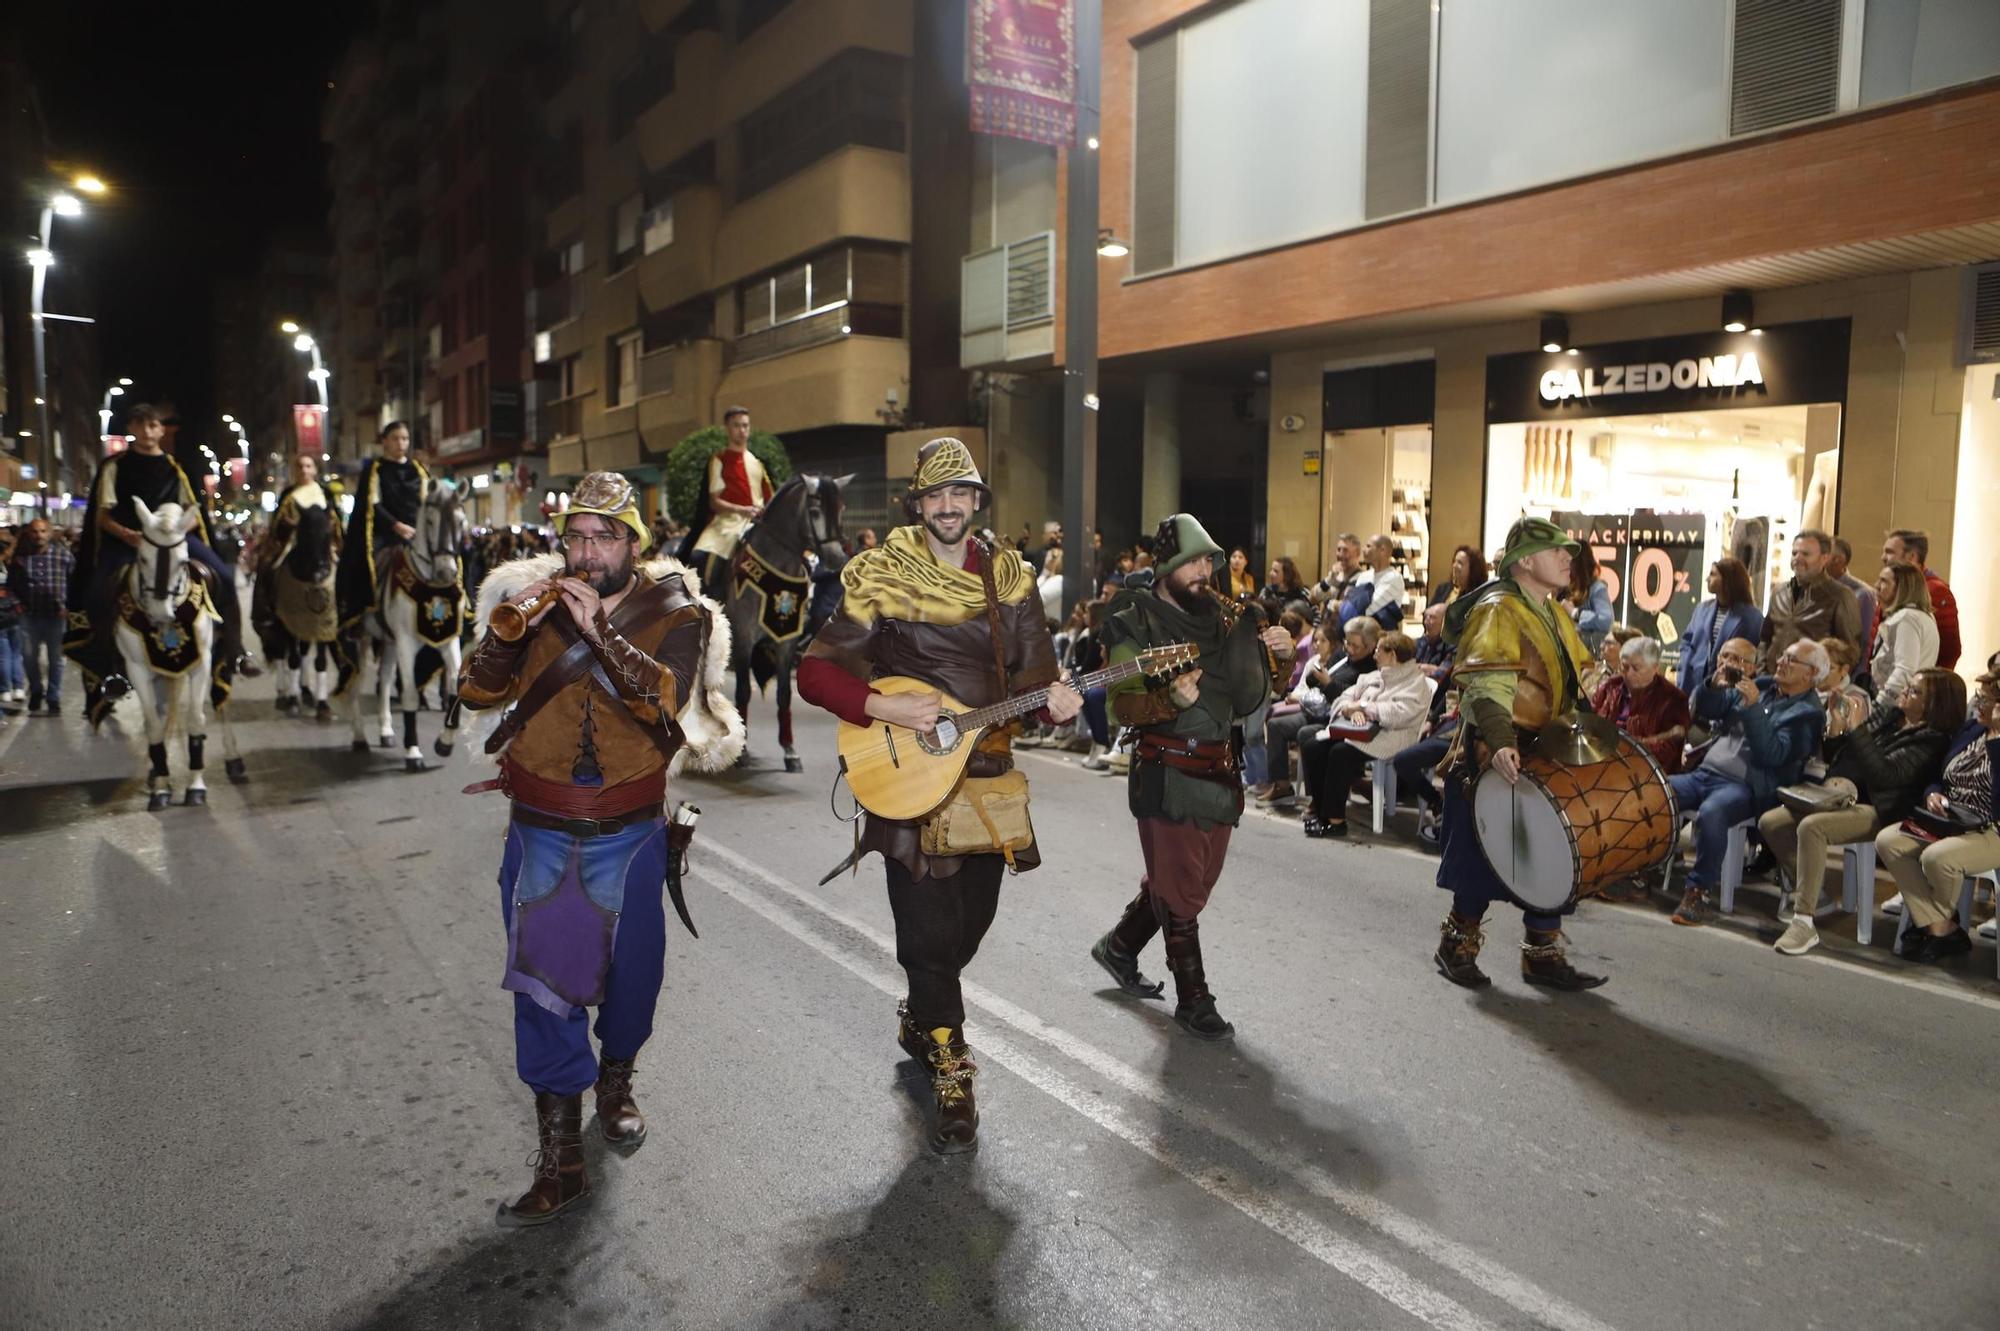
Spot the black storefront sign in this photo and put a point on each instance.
(1787, 365)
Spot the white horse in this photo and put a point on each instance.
(422, 605)
(166, 633)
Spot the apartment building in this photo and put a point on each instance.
(1687, 277)
(725, 194)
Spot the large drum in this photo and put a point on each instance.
(1565, 830)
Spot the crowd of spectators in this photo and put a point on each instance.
(1828, 716)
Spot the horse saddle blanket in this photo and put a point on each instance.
(440, 606)
(782, 598)
(306, 609)
(171, 648)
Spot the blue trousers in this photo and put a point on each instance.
(1464, 872)
(1096, 717)
(45, 635)
(552, 1054)
(1718, 802)
(12, 641)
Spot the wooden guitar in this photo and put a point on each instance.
(903, 774)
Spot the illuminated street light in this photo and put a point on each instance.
(41, 258)
(127, 383)
(288, 327)
(89, 184)
(67, 205)
(304, 342)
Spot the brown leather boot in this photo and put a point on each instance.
(1118, 951)
(617, 1112)
(1457, 956)
(1543, 963)
(952, 1071)
(1195, 1011)
(560, 1181)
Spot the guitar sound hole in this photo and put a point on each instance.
(942, 740)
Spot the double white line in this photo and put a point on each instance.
(1353, 1260)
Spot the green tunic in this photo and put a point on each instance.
(1235, 681)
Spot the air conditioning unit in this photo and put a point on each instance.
(1979, 315)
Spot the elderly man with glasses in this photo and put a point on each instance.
(1766, 728)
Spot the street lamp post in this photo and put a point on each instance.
(1080, 242)
(305, 342)
(104, 409)
(41, 259)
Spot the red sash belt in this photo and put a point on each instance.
(572, 801)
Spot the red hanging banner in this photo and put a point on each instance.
(309, 424)
(1021, 64)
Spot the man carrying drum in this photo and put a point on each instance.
(1519, 662)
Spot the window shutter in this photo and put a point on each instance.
(1981, 340)
(1785, 64)
(1155, 154)
(1399, 106)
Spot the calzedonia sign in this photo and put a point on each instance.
(1785, 365)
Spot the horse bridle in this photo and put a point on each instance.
(422, 552)
(150, 591)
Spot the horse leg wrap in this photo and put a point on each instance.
(196, 743)
(410, 728)
(158, 753)
(785, 728)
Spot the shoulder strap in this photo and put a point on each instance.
(992, 614)
(574, 663)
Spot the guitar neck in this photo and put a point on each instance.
(1001, 712)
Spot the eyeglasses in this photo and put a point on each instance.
(585, 541)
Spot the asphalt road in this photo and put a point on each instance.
(261, 1075)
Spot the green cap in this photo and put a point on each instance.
(1179, 539)
(1531, 536)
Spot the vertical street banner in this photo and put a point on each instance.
(1020, 61)
(309, 428)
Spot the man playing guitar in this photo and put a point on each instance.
(934, 604)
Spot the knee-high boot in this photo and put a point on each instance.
(1118, 951)
(1195, 1010)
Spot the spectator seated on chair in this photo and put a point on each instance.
(1644, 703)
(1604, 668)
(1887, 762)
(1434, 655)
(1394, 701)
(1931, 869)
(1360, 636)
(1764, 728)
(1847, 703)
(1306, 705)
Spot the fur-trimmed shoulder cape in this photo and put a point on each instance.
(709, 719)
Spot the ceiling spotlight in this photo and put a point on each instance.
(1555, 333)
(1737, 312)
(1109, 246)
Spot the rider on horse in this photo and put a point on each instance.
(391, 490)
(736, 491)
(144, 473)
(294, 614)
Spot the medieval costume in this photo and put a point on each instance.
(906, 613)
(289, 607)
(387, 493)
(597, 716)
(737, 477)
(1519, 663)
(1185, 783)
(154, 479)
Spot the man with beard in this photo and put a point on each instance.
(605, 677)
(1185, 783)
(926, 604)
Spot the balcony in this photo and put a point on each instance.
(843, 320)
(466, 441)
(562, 418)
(556, 303)
(1007, 303)
(684, 269)
(675, 125)
(842, 382)
(853, 194)
(677, 391)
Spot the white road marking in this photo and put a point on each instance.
(1323, 1243)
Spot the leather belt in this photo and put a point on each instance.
(1214, 759)
(586, 827)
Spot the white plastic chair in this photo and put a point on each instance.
(1382, 791)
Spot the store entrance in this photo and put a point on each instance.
(1661, 496)
(1379, 480)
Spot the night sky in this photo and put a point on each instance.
(204, 120)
